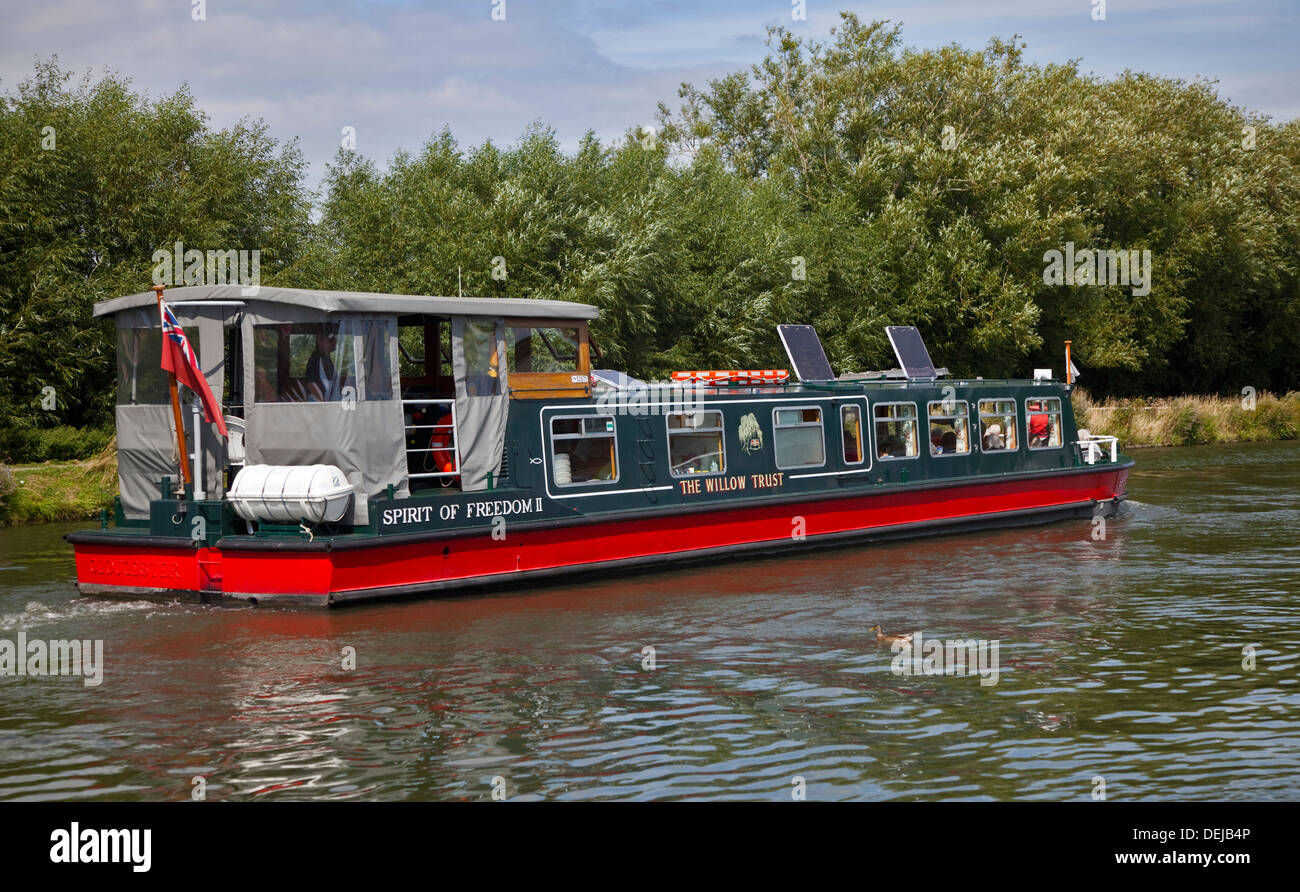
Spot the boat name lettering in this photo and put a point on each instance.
(125, 567)
(451, 511)
(731, 484)
(503, 507)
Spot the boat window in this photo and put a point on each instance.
(140, 378)
(479, 342)
(375, 334)
(695, 443)
(896, 430)
(851, 431)
(410, 350)
(1044, 414)
(949, 427)
(998, 425)
(797, 437)
(583, 449)
(542, 349)
(302, 362)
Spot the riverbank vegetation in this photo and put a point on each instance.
(1188, 420)
(850, 184)
(56, 491)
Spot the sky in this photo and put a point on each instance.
(398, 71)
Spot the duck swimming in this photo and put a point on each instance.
(881, 636)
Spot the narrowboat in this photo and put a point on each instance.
(386, 445)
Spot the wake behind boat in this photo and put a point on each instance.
(383, 445)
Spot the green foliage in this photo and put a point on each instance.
(61, 443)
(936, 180)
(850, 184)
(93, 179)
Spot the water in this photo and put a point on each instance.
(1120, 659)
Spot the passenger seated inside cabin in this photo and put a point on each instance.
(1038, 424)
(993, 437)
(320, 367)
(948, 442)
(936, 438)
(893, 446)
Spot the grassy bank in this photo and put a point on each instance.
(1185, 420)
(58, 490)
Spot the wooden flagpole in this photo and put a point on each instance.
(1069, 366)
(176, 402)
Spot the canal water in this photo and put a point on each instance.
(1160, 661)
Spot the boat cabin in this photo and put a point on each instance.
(420, 402)
(403, 394)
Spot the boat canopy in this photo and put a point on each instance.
(314, 379)
(357, 302)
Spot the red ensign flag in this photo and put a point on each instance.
(179, 359)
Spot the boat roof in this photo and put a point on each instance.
(359, 302)
(874, 386)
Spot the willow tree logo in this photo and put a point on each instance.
(751, 435)
(179, 265)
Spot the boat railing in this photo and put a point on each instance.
(436, 442)
(1094, 448)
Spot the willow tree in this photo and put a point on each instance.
(94, 178)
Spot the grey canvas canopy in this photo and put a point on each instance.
(146, 432)
(319, 381)
(358, 302)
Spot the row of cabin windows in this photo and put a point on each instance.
(897, 434)
(584, 447)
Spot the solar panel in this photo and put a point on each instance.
(805, 351)
(616, 380)
(910, 350)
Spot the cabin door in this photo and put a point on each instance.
(478, 349)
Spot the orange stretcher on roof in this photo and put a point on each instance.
(735, 376)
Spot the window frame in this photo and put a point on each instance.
(864, 442)
(722, 441)
(143, 369)
(348, 373)
(613, 436)
(964, 416)
(820, 424)
(540, 331)
(1015, 422)
(1060, 426)
(916, 417)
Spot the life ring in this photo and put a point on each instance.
(442, 444)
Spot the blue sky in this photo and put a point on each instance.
(398, 71)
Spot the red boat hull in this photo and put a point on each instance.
(299, 573)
